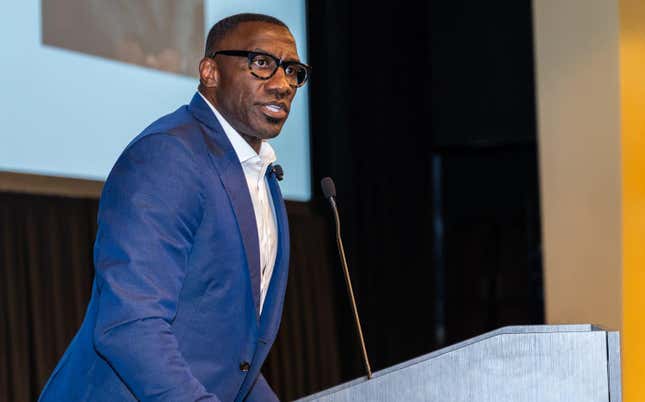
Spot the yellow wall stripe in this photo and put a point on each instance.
(632, 84)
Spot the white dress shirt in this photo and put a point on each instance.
(255, 166)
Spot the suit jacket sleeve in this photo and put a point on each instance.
(150, 210)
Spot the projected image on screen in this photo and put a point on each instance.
(161, 34)
(81, 78)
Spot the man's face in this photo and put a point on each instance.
(254, 107)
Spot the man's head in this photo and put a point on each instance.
(254, 101)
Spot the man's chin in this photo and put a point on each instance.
(273, 134)
(265, 134)
(271, 130)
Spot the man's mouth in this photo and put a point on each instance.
(275, 110)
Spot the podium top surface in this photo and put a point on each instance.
(509, 330)
(513, 329)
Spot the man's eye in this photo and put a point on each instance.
(261, 62)
(294, 70)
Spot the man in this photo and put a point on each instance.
(192, 249)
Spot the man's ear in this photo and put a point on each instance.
(208, 72)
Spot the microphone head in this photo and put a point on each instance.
(278, 172)
(328, 187)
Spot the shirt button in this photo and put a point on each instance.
(245, 366)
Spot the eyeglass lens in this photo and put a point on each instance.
(264, 66)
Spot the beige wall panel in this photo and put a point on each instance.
(577, 71)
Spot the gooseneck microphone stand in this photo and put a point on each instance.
(329, 191)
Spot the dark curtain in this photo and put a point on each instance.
(424, 114)
(45, 283)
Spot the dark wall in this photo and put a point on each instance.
(481, 56)
(424, 115)
(371, 128)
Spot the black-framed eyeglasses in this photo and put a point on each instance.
(264, 66)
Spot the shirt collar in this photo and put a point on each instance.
(242, 148)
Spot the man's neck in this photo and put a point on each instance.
(254, 142)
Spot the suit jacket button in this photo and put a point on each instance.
(245, 366)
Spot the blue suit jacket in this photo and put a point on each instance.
(174, 309)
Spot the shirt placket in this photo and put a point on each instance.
(262, 199)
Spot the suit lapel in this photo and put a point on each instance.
(272, 310)
(232, 176)
(238, 192)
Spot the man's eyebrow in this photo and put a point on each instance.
(260, 50)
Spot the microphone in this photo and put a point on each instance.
(329, 191)
(328, 187)
(278, 172)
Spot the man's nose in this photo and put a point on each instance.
(279, 84)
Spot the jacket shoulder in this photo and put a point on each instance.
(181, 125)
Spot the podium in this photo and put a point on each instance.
(543, 363)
